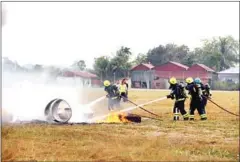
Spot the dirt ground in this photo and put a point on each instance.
(216, 139)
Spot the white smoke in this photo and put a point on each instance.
(25, 96)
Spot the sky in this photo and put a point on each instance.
(59, 33)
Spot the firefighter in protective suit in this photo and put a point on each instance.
(195, 90)
(206, 94)
(189, 82)
(178, 93)
(113, 95)
(123, 88)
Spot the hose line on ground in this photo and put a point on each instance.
(221, 107)
(141, 107)
(143, 116)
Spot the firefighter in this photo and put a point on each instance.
(123, 88)
(113, 95)
(196, 102)
(125, 82)
(189, 81)
(206, 94)
(178, 93)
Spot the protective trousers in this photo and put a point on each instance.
(179, 107)
(204, 103)
(197, 104)
(113, 102)
(124, 96)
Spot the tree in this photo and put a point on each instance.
(192, 57)
(120, 64)
(8, 64)
(38, 67)
(81, 65)
(169, 52)
(220, 53)
(141, 58)
(117, 66)
(101, 65)
(90, 70)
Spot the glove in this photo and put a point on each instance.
(169, 96)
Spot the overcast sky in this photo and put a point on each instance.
(59, 33)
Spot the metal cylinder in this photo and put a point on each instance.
(58, 111)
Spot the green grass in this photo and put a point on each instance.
(216, 139)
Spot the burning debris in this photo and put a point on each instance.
(121, 118)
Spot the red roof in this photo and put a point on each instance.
(91, 75)
(178, 64)
(79, 74)
(171, 66)
(149, 66)
(205, 67)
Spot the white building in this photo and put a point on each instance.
(231, 74)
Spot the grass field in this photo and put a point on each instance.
(216, 139)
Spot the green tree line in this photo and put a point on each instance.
(219, 53)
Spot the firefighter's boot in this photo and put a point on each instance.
(185, 116)
(191, 117)
(203, 117)
(176, 116)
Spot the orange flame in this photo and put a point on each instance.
(116, 118)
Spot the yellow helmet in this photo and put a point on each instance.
(106, 83)
(189, 80)
(172, 80)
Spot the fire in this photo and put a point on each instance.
(120, 118)
(117, 118)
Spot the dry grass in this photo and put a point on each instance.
(216, 139)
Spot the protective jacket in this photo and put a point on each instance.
(206, 90)
(178, 92)
(195, 90)
(112, 91)
(122, 88)
(197, 101)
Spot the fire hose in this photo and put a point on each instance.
(145, 109)
(159, 116)
(220, 106)
(143, 116)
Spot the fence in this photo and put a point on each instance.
(225, 85)
(159, 79)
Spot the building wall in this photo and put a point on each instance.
(160, 74)
(96, 82)
(225, 77)
(140, 79)
(169, 70)
(169, 74)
